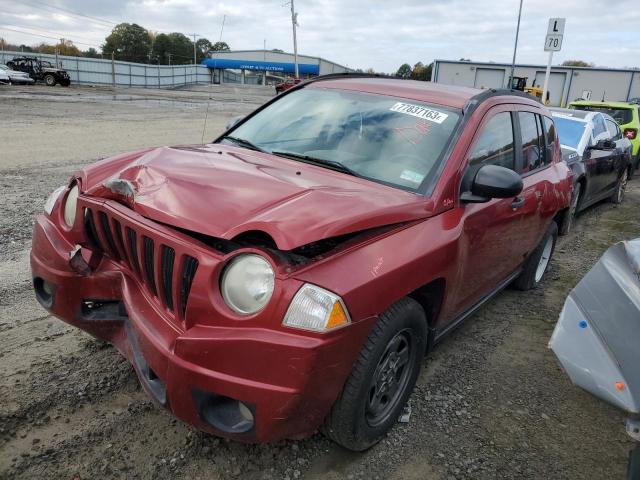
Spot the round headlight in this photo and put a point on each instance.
(247, 284)
(70, 206)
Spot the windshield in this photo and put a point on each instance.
(620, 115)
(390, 140)
(569, 130)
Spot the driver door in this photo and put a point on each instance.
(490, 247)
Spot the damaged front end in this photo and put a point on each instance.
(597, 336)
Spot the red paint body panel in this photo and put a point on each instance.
(292, 377)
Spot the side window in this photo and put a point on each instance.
(495, 143)
(614, 130)
(598, 126)
(550, 136)
(532, 141)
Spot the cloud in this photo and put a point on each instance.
(376, 33)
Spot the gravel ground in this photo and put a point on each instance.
(491, 401)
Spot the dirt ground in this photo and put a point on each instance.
(491, 401)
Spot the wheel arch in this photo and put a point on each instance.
(430, 297)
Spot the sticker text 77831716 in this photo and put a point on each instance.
(420, 112)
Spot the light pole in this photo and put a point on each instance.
(515, 47)
(294, 22)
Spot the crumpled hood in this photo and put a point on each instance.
(222, 191)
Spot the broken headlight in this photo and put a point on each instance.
(71, 205)
(53, 198)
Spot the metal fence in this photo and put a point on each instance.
(96, 71)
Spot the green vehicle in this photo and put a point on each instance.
(626, 114)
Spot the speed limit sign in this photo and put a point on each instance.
(553, 43)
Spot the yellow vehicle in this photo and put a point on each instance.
(520, 83)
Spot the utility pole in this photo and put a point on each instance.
(294, 23)
(515, 47)
(194, 46)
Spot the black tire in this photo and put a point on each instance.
(354, 421)
(49, 80)
(529, 277)
(618, 195)
(633, 467)
(65, 83)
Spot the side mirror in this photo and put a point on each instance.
(234, 121)
(493, 181)
(605, 144)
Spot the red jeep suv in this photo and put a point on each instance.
(292, 274)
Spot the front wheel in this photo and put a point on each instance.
(618, 195)
(50, 80)
(536, 265)
(382, 378)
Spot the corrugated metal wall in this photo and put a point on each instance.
(95, 71)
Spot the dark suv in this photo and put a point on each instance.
(41, 70)
(294, 272)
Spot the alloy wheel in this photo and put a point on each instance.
(544, 259)
(390, 378)
(622, 185)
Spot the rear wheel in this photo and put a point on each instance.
(536, 265)
(49, 80)
(618, 195)
(382, 378)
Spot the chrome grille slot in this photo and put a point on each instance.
(189, 268)
(106, 231)
(132, 239)
(168, 258)
(148, 263)
(120, 240)
(90, 227)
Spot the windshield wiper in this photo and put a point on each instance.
(321, 162)
(243, 143)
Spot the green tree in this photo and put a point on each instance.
(91, 53)
(173, 45)
(576, 63)
(404, 71)
(202, 49)
(220, 47)
(129, 42)
(422, 72)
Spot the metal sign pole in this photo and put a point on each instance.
(546, 78)
(294, 21)
(552, 43)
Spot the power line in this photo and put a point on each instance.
(46, 36)
(58, 34)
(35, 3)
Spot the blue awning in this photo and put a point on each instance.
(303, 68)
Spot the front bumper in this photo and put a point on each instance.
(286, 379)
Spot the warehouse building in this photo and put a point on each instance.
(265, 67)
(565, 83)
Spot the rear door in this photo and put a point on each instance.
(623, 146)
(600, 162)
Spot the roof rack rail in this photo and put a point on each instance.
(333, 76)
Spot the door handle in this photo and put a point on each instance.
(517, 203)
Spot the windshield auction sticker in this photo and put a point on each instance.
(420, 112)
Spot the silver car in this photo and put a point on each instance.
(15, 77)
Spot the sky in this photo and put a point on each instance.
(360, 34)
